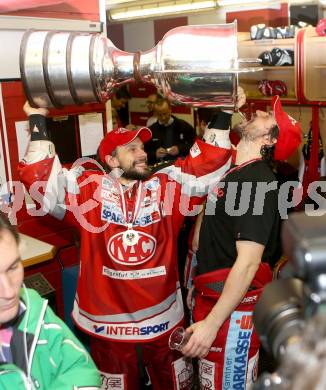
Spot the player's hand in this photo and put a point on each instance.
(29, 110)
(173, 150)
(201, 340)
(241, 98)
(241, 101)
(161, 153)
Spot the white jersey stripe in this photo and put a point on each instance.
(146, 329)
(136, 316)
(192, 185)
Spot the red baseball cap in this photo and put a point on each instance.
(120, 137)
(290, 135)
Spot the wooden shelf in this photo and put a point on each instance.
(268, 42)
(316, 39)
(278, 68)
(314, 62)
(248, 48)
(261, 97)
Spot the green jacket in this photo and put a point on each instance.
(56, 360)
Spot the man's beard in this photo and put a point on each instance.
(267, 151)
(133, 173)
(246, 131)
(239, 129)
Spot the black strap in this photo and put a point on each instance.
(37, 125)
(218, 286)
(221, 120)
(141, 368)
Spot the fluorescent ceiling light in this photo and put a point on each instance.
(160, 8)
(237, 2)
(226, 3)
(110, 3)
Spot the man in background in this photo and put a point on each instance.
(119, 101)
(150, 104)
(172, 137)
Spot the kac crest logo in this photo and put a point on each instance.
(131, 255)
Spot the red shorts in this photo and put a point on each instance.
(119, 364)
(233, 357)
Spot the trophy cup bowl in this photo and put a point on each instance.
(193, 65)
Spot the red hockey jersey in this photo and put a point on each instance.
(128, 290)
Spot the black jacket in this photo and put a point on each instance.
(179, 133)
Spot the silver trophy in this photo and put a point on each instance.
(194, 65)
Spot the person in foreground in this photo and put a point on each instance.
(37, 350)
(128, 295)
(238, 239)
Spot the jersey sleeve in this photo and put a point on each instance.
(72, 366)
(57, 190)
(200, 170)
